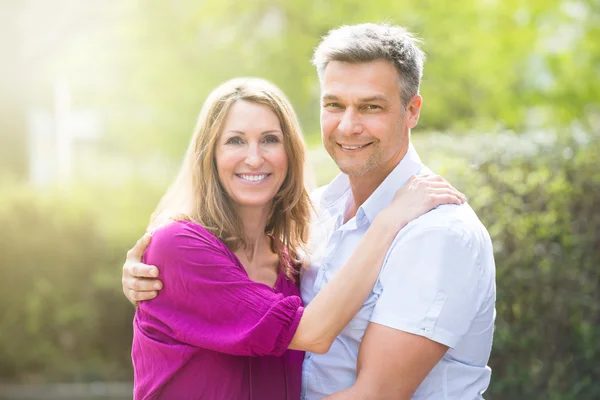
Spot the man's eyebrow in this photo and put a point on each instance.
(328, 96)
(375, 98)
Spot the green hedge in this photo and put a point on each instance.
(64, 318)
(62, 315)
(539, 197)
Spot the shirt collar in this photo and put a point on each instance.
(336, 191)
(339, 188)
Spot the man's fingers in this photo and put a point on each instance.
(143, 285)
(135, 254)
(141, 296)
(139, 270)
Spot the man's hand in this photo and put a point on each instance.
(138, 282)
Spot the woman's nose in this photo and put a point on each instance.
(254, 157)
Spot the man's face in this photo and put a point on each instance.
(363, 123)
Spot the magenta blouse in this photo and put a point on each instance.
(212, 333)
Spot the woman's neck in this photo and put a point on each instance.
(254, 222)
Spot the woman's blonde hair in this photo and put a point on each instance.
(197, 194)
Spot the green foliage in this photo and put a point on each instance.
(492, 65)
(540, 202)
(147, 69)
(538, 195)
(63, 316)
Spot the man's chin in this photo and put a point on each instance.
(352, 170)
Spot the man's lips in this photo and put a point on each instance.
(353, 147)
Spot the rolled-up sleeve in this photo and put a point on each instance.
(430, 286)
(208, 300)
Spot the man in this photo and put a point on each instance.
(426, 329)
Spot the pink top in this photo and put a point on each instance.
(212, 333)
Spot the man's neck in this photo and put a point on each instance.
(365, 185)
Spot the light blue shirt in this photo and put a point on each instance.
(437, 281)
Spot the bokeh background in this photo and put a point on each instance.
(98, 100)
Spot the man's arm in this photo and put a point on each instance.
(431, 294)
(391, 364)
(138, 278)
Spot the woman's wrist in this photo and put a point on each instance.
(389, 221)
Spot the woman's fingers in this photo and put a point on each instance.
(429, 190)
(443, 185)
(445, 195)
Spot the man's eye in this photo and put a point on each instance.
(372, 107)
(332, 105)
(234, 140)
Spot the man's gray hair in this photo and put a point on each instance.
(370, 42)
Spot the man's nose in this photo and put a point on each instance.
(350, 123)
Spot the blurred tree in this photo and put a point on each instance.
(12, 98)
(148, 68)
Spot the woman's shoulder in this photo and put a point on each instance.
(183, 233)
(182, 249)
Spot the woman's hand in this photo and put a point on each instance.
(418, 196)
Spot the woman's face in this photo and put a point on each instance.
(250, 155)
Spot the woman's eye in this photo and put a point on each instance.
(234, 140)
(272, 139)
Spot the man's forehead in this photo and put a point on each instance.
(369, 80)
(362, 96)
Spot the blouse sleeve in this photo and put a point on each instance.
(208, 301)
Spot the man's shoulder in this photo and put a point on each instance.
(457, 218)
(457, 222)
(449, 243)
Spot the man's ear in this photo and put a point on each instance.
(413, 111)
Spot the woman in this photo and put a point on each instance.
(227, 237)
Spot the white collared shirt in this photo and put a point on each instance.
(437, 281)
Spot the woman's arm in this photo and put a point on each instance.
(209, 302)
(339, 301)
